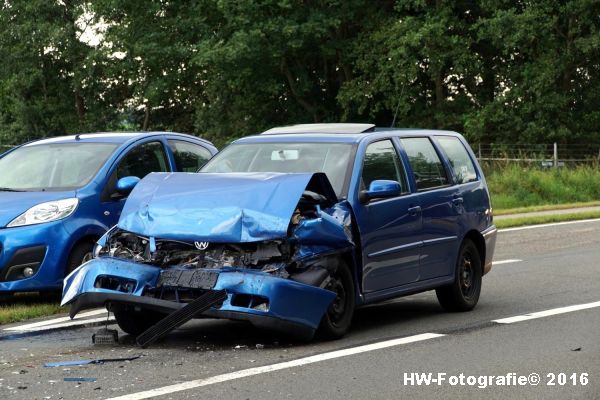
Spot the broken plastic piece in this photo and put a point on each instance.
(87, 362)
(181, 316)
(105, 336)
(80, 379)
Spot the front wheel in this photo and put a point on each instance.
(337, 319)
(81, 253)
(463, 293)
(136, 322)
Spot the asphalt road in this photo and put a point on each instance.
(213, 359)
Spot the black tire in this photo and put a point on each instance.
(338, 318)
(463, 293)
(81, 253)
(136, 322)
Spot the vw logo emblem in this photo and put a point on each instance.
(201, 245)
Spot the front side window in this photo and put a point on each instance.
(189, 157)
(143, 159)
(382, 162)
(53, 166)
(331, 158)
(462, 165)
(425, 162)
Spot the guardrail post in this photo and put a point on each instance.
(555, 157)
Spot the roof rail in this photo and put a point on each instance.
(322, 128)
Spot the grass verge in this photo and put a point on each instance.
(26, 306)
(516, 187)
(545, 219)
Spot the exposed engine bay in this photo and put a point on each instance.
(277, 257)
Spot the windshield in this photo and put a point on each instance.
(330, 158)
(57, 166)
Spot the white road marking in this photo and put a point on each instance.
(522, 228)
(506, 261)
(79, 322)
(547, 313)
(274, 367)
(55, 321)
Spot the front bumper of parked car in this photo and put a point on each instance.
(41, 248)
(258, 297)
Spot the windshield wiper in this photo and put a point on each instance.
(5, 189)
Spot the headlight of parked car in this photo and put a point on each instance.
(46, 212)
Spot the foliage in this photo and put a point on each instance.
(499, 71)
(515, 186)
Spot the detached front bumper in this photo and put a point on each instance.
(264, 300)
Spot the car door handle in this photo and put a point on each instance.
(414, 210)
(458, 201)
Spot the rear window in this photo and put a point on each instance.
(425, 162)
(460, 161)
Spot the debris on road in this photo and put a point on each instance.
(181, 316)
(88, 362)
(105, 336)
(80, 379)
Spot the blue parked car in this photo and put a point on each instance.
(295, 228)
(59, 195)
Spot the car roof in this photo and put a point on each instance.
(342, 133)
(106, 137)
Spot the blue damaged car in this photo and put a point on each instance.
(59, 195)
(297, 227)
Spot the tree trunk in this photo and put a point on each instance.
(146, 118)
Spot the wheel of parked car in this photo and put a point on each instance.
(338, 318)
(80, 254)
(136, 322)
(463, 294)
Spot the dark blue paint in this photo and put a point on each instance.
(91, 219)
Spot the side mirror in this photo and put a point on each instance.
(126, 184)
(381, 189)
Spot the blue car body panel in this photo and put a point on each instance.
(221, 208)
(89, 221)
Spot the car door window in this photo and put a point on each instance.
(189, 157)
(143, 159)
(460, 161)
(427, 168)
(382, 162)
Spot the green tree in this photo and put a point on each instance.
(48, 82)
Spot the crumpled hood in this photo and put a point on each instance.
(13, 204)
(221, 208)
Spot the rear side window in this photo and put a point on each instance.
(143, 159)
(425, 162)
(462, 164)
(189, 157)
(382, 162)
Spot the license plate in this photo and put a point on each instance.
(193, 279)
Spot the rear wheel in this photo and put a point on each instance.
(136, 322)
(463, 293)
(337, 320)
